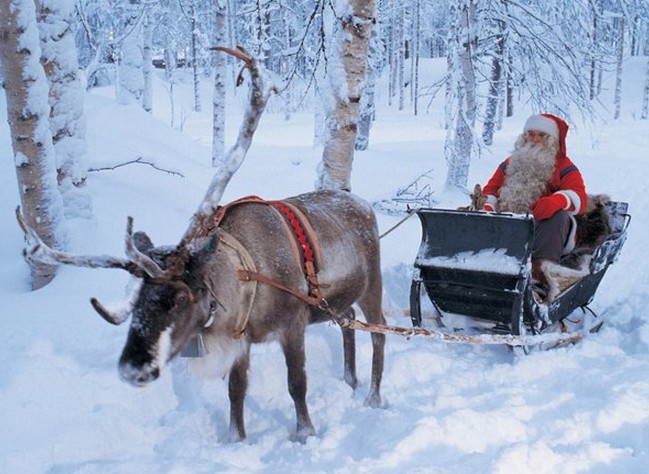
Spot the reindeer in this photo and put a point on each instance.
(234, 280)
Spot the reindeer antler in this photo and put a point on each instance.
(137, 264)
(259, 95)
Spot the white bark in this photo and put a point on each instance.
(67, 120)
(620, 68)
(147, 62)
(28, 110)
(218, 99)
(130, 83)
(342, 121)
(460, 136)
(645, 96)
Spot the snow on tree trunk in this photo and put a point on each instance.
(416, 45)
(195, 75)
(367, 109)
(645, 96)
(218, 99)
(461, 106)
(495, 87)
(402, 58)
(130, 83)
(28, 110)
(593, 62)
(353, 37)
(147, 61)
(66, 98)
(619, 68)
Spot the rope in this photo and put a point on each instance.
(411, 212)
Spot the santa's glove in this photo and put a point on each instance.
(547, 206)
(488, 207)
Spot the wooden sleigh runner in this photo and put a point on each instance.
(475, 269)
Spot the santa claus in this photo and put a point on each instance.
(539, 178)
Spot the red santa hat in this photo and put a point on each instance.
(542, 123)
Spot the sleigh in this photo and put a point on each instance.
(475, 269)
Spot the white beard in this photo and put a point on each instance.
(530, 169)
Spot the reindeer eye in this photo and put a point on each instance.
(182, 298)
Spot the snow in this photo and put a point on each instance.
(448, 408)
(486, 260)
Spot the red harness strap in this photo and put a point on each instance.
(305, 245)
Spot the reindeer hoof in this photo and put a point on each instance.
(373, 400)
(302, 434)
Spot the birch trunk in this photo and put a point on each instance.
(218, 99)
(342, 121)
(645, 96)
(28, 110)
(619, 68)
(460, 136)
(130, 80)
(147, 62)
(495, 88)
(66, 94)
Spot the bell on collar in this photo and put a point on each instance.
(195, 347)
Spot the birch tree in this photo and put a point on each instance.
(619, 69)
(461, 99)
(367, 108)
(644, 115)
(28, 110)
(66, 99)
(355, 22)
(496, 83)
(218, 99)
(130, 76)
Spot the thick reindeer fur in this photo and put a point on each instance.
(168, 313)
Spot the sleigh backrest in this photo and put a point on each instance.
(475, 263)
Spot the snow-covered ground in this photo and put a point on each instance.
(448, 408)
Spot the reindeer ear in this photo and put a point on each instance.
(142, 241)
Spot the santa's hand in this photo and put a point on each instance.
(547, 206)
(488, 207)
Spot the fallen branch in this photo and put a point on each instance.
(137, 161)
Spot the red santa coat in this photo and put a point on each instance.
(566, 179)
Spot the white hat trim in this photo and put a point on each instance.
(542, 124)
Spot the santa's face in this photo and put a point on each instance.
(535, 136)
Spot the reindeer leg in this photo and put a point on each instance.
(237, 386)
(349, 351)
(370, 304)
(293, 347)
(373, 398)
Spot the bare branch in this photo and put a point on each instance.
(139, 161)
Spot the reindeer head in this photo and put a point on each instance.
(172, 306)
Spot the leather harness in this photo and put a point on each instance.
(303, 241)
